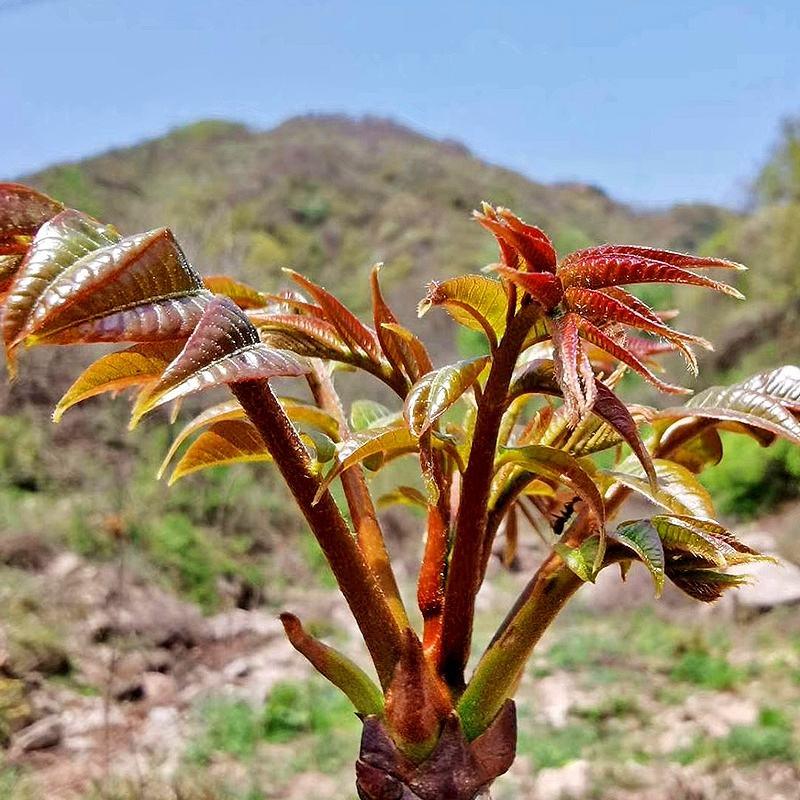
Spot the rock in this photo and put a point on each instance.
(15, 710)
(26, 551)
(239, 622)
(63, 565)
(159, 689)
(554, 695)
(771, 585)
(570, 782)
(45, 733)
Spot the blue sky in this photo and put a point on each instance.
(655, 102)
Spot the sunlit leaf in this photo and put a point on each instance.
(556, 465)
(699, 452)
(642, 538)
(678, 490)
(405, 353)
(139, 365)
(24, 210)
(539, 377)
(350, 328)
(403, 495)
(518, 240)
(435, 392)
(475, 301)
(224, 348)
(739, 404)
(336, 667)
(368, 414)
(544, 287)
(582, 560)
(677, 534)
(139, 289)
(596, 271)
(243, 295)
(782, 384)
(231, 441)
(306, 336)
(573, 370)
(391, 441)
(676, 259)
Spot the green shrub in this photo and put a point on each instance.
(704, 669)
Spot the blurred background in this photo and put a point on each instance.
(138, 625)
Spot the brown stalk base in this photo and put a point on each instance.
(455, 770)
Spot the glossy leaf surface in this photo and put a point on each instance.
(24, 210)
(435, 392)
(242, 294)
(230, 441)
(140, 365)
(678, 490)
(582, 560)
(642, 538)
(224, 348)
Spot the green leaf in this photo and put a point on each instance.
(475, 301)
(585, 560)
(368, 414)
(336, 667)
(678, 490)
(385, 442)
(642, 538)
(224, 348)
(140, 365)
(403, 495)
(435, 392)
(740, 404)
(679, 535)
(231, 441)
(539, 461)
(243, 295)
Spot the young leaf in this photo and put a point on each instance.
(518, 240)
(304, 335)
(230, 441)
(553, 464)
(407, 354)
(675, 259)
(475, 301)
(68, 239)
(435, 392)
(677, 534)
(544, 287)
(539, 377)
(138, 289)
(396, 440)
(24, 210)
(139, 365)
(336, 667)
(573, 371)
(403, 495)
(698, 453)
(594, 271)
(350, 328)
(739, 404)
(706, 585)
(642, 538)
(782, 384)
(296, 410)
(584, 560)
(678, 490)
(224, 348)
(368, 414)
(243, 295)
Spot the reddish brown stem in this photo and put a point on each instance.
(359, 502)
(464, 575)
(358, 584)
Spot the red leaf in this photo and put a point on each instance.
(518, 239)
(598, 272)
(24, 210)
(685, 260)
(544, 287)
(572, 368)
(596, 337)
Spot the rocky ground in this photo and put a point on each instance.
(111, 687)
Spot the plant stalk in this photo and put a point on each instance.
(358, 584)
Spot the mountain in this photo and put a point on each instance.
(331, 195)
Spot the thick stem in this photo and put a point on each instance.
(359, 502)
(464, 576)
(356, 580)
(496, 677)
